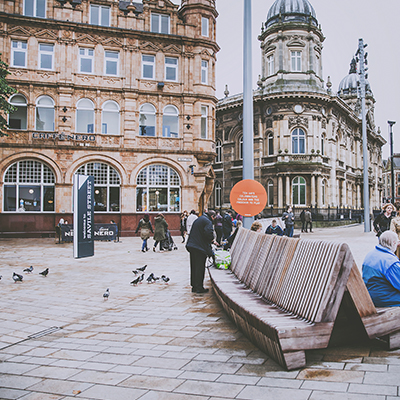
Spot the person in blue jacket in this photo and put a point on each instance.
(381, 272)
(274, 229)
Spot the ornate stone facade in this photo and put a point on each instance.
(307, 140)
(115, 83)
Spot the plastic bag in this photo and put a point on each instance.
(222, 259)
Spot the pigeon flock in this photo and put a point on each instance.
(19, 278)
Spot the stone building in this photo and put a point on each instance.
(307, 140)
(387, 180)
(120, 90)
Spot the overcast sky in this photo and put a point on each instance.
(343, 22)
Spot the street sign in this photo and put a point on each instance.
(248, 197)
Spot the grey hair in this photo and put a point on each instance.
(389, 240)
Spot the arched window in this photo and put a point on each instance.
(29, 186)
(299, 191)
(158, 189)
(170, 122)
(218, 195)
(218, 150)
(270, 144)
(45, 114)
(85, 116)
(241, 147)
(110, 118)
(298, 141)
(270, 193)
(147, 120)
(106, 185)
(18, 118)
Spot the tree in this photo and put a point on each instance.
(5, 92)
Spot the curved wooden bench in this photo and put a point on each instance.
(284, 293)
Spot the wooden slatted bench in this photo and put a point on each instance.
(284, 293)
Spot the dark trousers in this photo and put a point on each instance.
(197, 269)
(309, 223)
(218, 231)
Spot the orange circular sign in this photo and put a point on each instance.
(248, 197)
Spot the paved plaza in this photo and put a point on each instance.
(61, 340)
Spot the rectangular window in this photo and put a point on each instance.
(204, 72)
(160, 23)
(18, 54)
(204, 27)
(204, 112)
(171, 69)
(46, 56)
(111, 61)
(296, 61)
(99, 15)
(271, 65)
(148, 65)
(398, 178)
(86, 58)
(35, 8)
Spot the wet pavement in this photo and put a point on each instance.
(61, 340)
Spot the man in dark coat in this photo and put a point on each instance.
(199, 246)
(227, 225)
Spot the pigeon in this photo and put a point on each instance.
(141, 278)
(1, 277)
(28, 270)
(165, 279)
(17, 277)
(135, 281)
(135, 271)
(150, 278)
(45, 272)
(142, 268)
(106, 294)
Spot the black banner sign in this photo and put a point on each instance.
(100, 232)
(83, 216)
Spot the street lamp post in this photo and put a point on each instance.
(391, 123)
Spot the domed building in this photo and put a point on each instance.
(307, 139)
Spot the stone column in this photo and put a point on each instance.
(287, 190)
(280, 192)
(358, 196)
(344, 192)
(312, 202)
(319, 192)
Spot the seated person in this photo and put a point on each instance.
(274, 229)
(227, 243)
(256, 226)
(381, 272)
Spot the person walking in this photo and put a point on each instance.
(183, 228)
(199, 246)
(218, 227)
(288, 219)
(160, 228)
(190, 219)
(383, 220)
(303, 220)
(145, 228)
(308, 220)
(227, 225)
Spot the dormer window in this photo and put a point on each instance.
(271, 64)
(295, 57)
(160, 23)
(99, 15)
(35, 8)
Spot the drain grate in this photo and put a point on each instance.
(36, 335)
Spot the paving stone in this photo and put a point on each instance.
(239, 379)
(379, 378)
(74, 355)
(109, 378)
(17, 381)
(261, 392)
(382, 360)
(129, 369)
(325, 386)
(210, 389)
(282, 383)
(54, 372)
(6, 394)
(15, 368)
(200, 376)
(155, 362)
(367, 367)
(105, 392)
(374, 389)
(343, 396)
(42, 396)
(152, 383)
(331, 375)
(156, 395)
(163, 372)
(56, 386)
(216, 367)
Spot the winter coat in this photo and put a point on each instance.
(382, 224)
(145, 229)
(274, 231)
(227, 224)
(189, 222)
(307, 216)
(201, 235)
(160, 227)
(288, 218)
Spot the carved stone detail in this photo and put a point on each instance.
(293, 121)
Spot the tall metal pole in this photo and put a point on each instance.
(367, 225)
(391, 123)
(248, 152)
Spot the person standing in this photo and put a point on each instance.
(190, 219)
(383, 220)
(308, 219)
(303, 220)
(218, 227)
(395, 227)
(288, 219)
(199, 246)
(160, 228)
(183, 228)
(227, 225)
(145, 229)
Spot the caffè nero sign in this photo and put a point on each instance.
(63, 136)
